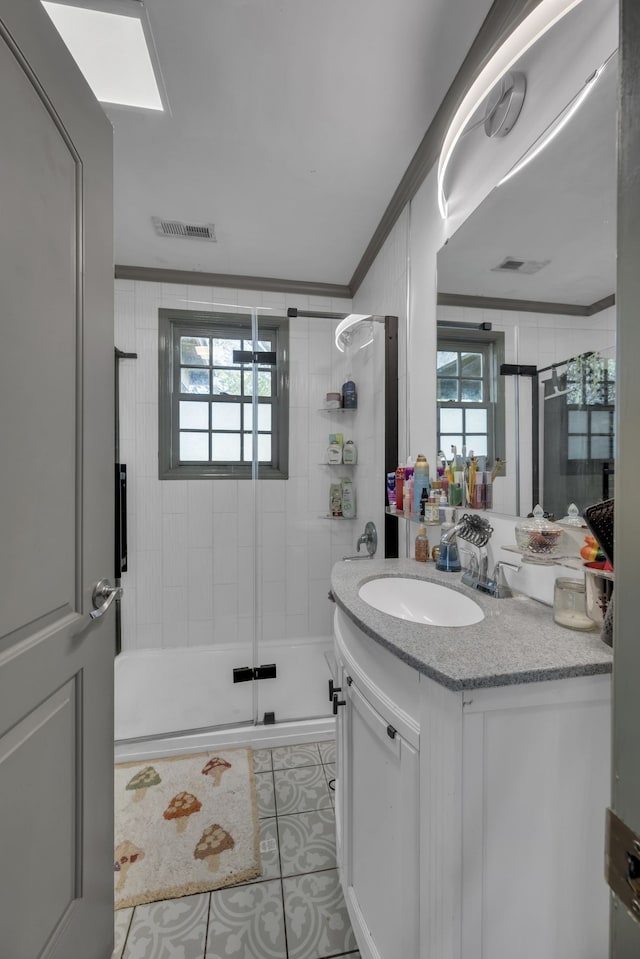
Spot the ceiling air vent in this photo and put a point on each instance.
(512, 265)
(186, 231)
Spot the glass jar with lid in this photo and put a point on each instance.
(537, 536)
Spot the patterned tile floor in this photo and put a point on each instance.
(296, 909)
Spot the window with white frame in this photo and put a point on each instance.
(470, 398)
(210, 368)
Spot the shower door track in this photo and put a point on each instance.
(225, 737)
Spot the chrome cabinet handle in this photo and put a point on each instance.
(103, 596)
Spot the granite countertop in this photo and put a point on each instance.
(516, 642)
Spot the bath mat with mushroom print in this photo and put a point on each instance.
(183, 825)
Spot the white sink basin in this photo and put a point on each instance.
(420, 602)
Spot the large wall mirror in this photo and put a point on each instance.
(536, 261)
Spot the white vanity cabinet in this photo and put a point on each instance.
(471, 821)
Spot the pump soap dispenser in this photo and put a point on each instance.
(448, 558)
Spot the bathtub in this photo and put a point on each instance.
(170, 701)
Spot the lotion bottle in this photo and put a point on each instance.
(348, 499)
(349, 453)
(422, 545)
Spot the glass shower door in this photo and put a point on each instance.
(298, 539)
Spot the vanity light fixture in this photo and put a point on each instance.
(342, 334)
(532, 28)
(559, 123)
(112, 45)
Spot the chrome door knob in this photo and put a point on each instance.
(103, 595)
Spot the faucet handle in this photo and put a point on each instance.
(501, 588)
(369, 538)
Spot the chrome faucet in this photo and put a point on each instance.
(369, 539)
(497, 586)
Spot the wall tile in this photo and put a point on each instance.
(247, 558)
(297, 584)
(173, 291)
(273, 598)
(127, 390)
(147, 366)
(199, 632)
(225, 495)
(146, 296)
(225, 548)
(174, 550)
(276, 301)
(199, 583)
(174, 613)
(245, 629)
(320, 609)
(200, 514)
(128, 610)
(273, 496)
(273, 626)
(297, 626)
(225, 601)
(146, 437)
(148, 591)
(125, 329)
(199, 297)
(174, 496)
(319, 558)
(148, 511)
(225, 630)
(273, 555)
(149, 636)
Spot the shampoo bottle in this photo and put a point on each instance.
(348, 499)
(349, 395)
(349, 453)
(334, 452)
(420, 480)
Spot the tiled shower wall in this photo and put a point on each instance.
(192, 542)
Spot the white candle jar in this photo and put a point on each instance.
(569, 604)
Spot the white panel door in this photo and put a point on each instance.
(56, 513)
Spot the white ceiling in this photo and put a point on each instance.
(292, 123)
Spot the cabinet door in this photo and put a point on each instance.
(380, 831)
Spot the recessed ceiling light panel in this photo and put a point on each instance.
(111, 50)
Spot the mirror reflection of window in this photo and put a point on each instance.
(469, 395)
